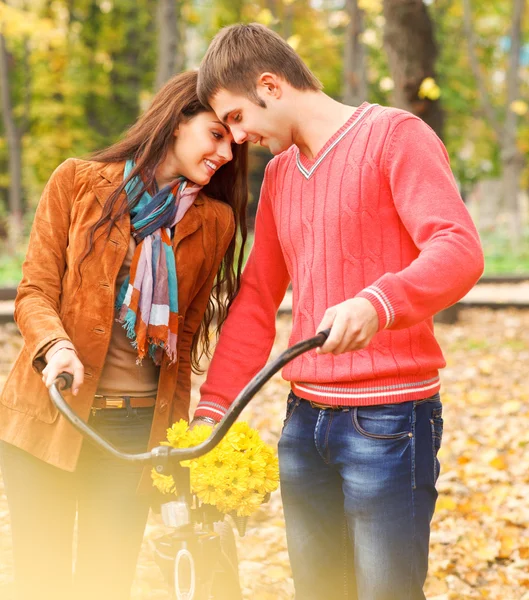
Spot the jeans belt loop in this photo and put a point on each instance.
(127, 406)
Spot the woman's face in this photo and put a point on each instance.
(202, 145)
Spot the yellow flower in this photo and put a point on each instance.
(256, 475)
(198, 434)
(249, 504)
(164, 483)
(228, 500)
(206, 491)
(234, 476)
(177, 433)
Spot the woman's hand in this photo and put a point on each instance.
(60, 358)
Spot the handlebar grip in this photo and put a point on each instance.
(64, 381)
(325, 334)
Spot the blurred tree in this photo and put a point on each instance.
(412, 52)
(80, 71)
(506, 128)
(354, 64)
(118, 59)
(171, 57)
(14, 146)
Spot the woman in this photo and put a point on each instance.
(131, 256)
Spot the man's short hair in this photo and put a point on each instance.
(238, 54)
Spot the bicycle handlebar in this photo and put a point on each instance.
(161, 454)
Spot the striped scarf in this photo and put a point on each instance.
(147, 302)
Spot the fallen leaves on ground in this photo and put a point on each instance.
(480, 537)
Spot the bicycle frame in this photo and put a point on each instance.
(161, 455)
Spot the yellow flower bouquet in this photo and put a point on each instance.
(234, 477)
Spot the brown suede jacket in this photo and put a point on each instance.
(54, 303)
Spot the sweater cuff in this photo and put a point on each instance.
(385, 312)
(211, 408)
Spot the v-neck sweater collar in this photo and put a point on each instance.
(308, 166)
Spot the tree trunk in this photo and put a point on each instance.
(355, 78)
(411, 49)
(170, 59)
(512, 158)
(14, 145)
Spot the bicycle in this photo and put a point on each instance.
(199, 562)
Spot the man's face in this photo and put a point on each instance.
(249, 122)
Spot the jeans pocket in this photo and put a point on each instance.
(292, 403)
(384, 422)
(436, 424)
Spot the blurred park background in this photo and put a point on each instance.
(74, 74)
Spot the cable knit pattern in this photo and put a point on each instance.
(379, 217)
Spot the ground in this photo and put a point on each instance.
(480, 539)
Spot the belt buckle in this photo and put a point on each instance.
(320, 406)
(109, 403)
(115, 403)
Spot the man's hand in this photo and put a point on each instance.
(353, 324)
(202, 421)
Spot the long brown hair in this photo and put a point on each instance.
(147, 143)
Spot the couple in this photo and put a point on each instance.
(359, 211)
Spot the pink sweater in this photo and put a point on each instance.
(376, 214)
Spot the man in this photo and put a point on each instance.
(360, 212)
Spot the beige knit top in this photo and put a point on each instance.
(121, 375)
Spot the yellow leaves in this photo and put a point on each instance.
(265, 17)
(445, 503)
(277, 572)
(294, 41)
(487, 551)
(511, 407)
(519, 107)
(190, 14)
(486, 365)
(21, 24)
(509, 540)
(498, 463)
(429, 89)
(373, 7)
(104, 59)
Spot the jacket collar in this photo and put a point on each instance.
(107, 178)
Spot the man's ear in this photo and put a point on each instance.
(270, 85)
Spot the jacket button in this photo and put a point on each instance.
(163, 407)
(99, 329)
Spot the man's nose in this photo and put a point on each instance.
(239, 135)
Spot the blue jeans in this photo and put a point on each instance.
(43, 503)
(358, 489)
